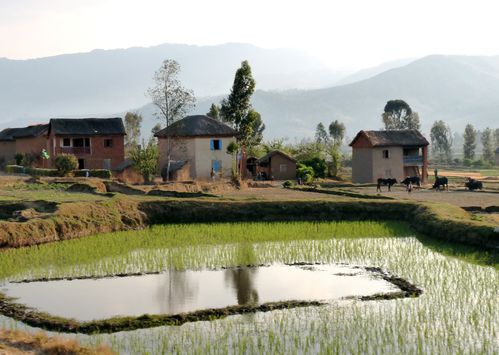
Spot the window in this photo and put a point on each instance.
(108, 143)
(215, 144)
(386, 154)
(81, 164)
(78, 142)
(66, 142)
(107, 164)
(283, 168)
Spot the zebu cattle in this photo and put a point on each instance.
(385, 182)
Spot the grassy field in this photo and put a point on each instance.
(457, 313)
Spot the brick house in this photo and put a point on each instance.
(28, 140)
(198, 144)
(389, 154)
(97, 143)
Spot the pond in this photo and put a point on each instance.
(176, 292)
(458, 311)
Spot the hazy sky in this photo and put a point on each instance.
(344, 34)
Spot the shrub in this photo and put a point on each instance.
(19, 158)
(305, 173)
(318, 165)
(18, 169)
(288, 183)
(98, 173)
(66, 163)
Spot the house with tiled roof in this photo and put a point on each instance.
(389, 154)
(196, 144)
(97, 143)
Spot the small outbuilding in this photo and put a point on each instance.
(389, 154)
(277, 165)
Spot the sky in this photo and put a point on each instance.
(346, 34)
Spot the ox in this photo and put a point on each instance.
(441, 182)
(385, 182)
(473, 184)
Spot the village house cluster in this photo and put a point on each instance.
(198, 150)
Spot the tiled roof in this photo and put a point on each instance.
(409, 137)
(197, 126)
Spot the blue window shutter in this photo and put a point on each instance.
(220, 144)
(212, 144)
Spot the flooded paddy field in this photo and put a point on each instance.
(458, 310)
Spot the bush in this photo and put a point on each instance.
(66, 163)
(467, 162)
(17, 169)
(98, 173)
(318, 165)
(288, 183)
(305, 173)
(19, 158)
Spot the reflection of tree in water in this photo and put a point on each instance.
(242, 278)
(175, 291)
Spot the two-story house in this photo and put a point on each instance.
(198, 142)
(389, 154)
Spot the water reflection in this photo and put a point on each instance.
(241, 280)
(175, 292)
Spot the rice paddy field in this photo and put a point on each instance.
(458, 312)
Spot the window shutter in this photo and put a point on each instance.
(220, 144)
(212, 144)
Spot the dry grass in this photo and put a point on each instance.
(17, 342)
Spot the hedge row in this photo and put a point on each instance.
(98, 173)
(18, 169)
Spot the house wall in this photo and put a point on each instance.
(98, 153)
(204, 156)
(33, 145)
(393, 167)
(362, 165)
(275, 172)
(7, 151)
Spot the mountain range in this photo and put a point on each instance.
(295, 91)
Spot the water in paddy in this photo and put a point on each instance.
(176, 292)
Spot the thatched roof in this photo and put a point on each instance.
(197, 126)
(269, 155)
(405, 138)
(10, 134)
(87, 126)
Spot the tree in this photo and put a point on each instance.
(469, 142)
(488, 145)
(398, 115)
(214, 112)
(133, 121)
(496, 137)
(236, 109)
(171, 98)
(337, 132)
(145, 160)
(321, 136)
(441, 141)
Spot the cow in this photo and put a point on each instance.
(385, 182)
(473, 184)
(441, 181)
(413, 180)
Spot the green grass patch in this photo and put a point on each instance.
(174, 246)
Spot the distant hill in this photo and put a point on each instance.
(107, 81)
(456, 89)
(373, 71)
